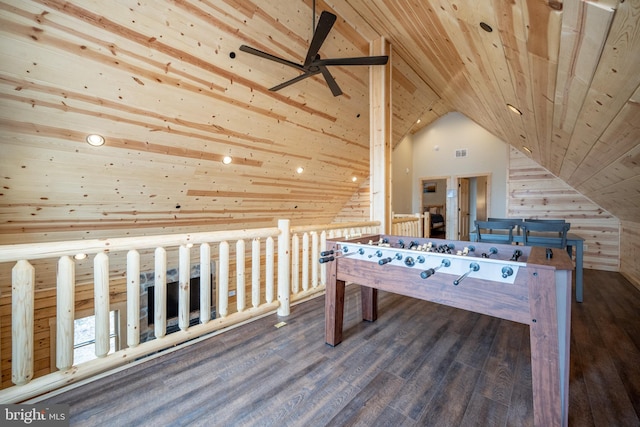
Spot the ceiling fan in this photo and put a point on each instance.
(313, 64)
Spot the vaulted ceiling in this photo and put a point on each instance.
(166, 85)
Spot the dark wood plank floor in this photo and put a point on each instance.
(419, 364)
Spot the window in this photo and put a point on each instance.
(84, 343)
(84, 334)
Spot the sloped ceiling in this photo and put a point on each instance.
(165, 84)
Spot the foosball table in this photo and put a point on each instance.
(525, 284)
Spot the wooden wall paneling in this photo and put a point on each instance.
(162, 79)
(543, 47)
(630, 252)
(477, 49)
(580, 52)
(536, 193)
(511, 66)
(615, 80)
(513, 25)
(358, 207)
(438, 109)
(411, 96)
(610, 169)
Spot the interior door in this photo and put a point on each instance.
(463, 208)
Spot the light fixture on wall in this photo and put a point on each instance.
(226, 160)
(95, 140)
(514, 109)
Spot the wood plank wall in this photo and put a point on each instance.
(357, 208)
(630, 252)
(534, 192)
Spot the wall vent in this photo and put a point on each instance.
(461, 152)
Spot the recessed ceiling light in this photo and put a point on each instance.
(80, 256)
(418, 121)
(300, 169)
(354, 179)
(514, 109)
(95, 140)
(226, 160)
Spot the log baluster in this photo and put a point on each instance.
(305, 261)
(184, 278)
(205, 283)
(323, 267)
(65, 312)
(315, 254)
(240, 283)
(223, 293)
(255, 273)
(133, 298)
(101, 303)
(295, 264)
(160, 296)
(23, 277)
(270, 264)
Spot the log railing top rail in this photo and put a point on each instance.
(402, 219)
(69, 248)
(334, 226)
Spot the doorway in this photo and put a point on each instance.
(434, 201)
(472, 203)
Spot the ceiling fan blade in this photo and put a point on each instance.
(364, 60)
(294, 80)
(335, 89)
(266, 55)
(322, 31)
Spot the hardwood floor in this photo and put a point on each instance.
(419, 364)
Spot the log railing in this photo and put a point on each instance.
(293, 250)
(407, 225)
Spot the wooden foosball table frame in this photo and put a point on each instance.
(539, 296)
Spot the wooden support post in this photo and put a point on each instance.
(380, 136)
(284, 276)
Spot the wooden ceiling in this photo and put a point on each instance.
(165, 84)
